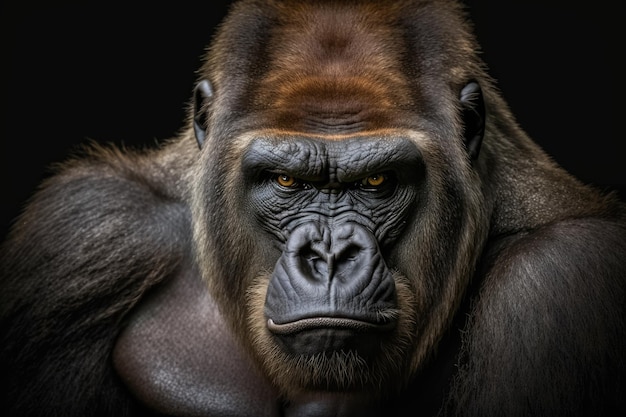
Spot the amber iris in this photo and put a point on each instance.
(374, 180)
(286, 180)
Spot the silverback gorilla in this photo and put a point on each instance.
(351, 224)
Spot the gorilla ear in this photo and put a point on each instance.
(202, 95)
(473, 114)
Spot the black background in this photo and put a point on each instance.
(115, 73)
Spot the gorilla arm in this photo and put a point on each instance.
(546, 331)
(89, 246)
(546, 327)
(90, 243)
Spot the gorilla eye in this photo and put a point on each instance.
(375, 180)
(286, 180)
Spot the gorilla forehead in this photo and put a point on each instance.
(316, 158)
(333, 74)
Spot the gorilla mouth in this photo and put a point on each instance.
(324, 335)
(339, 323)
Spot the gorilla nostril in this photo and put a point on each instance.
(317, 264)
(346, 260)
(321, 265)
(349, 254)
(308, 254)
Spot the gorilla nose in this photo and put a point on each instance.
(324, 261)
(332, 256)
(333, 272)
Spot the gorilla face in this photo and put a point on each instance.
(342, 227)
(329, 222)
(331, 299)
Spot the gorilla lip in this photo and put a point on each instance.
(327, 322)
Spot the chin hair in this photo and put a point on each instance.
(345, 371)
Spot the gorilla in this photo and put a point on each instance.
(351, 223)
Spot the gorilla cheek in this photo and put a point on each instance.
(331, 291)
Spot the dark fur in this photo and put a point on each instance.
(514, 270)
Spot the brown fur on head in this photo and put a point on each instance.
(289, 61)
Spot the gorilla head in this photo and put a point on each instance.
(337, 208)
